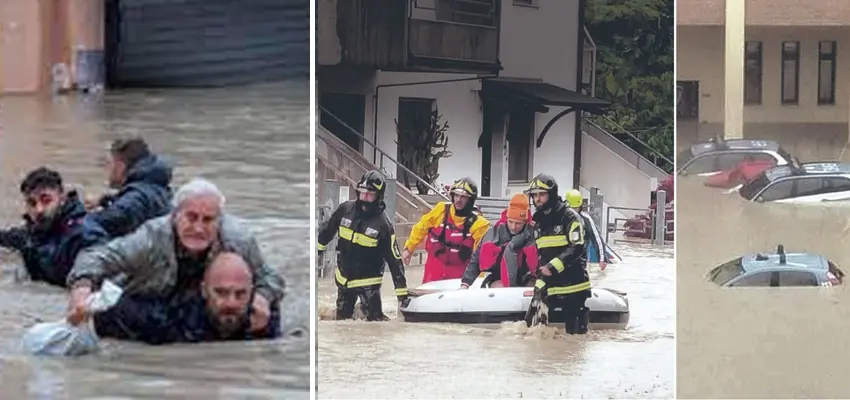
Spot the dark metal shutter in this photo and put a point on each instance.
(200, 43)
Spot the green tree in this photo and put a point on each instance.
(634, 70)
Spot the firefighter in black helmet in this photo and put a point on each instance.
(366, 240)
(562, 273)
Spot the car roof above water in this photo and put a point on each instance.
(758, 261)
(812, 168)
(734, 144)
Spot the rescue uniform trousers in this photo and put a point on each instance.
(370, 302)
(576, 314)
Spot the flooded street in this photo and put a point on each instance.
(758, 342)
(396, 360)
(253, 143)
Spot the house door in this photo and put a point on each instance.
(351, 109)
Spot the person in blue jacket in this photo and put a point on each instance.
(55, 228)
(142, 179)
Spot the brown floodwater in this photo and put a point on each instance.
(394, 359)
(254, 143)
(757, 342)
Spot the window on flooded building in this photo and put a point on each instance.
(532, 3)
(826, 72)
(520, 136)
(753, 74)
(790, 72)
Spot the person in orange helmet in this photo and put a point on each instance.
(507, 251)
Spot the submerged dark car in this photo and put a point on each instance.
(777, 270)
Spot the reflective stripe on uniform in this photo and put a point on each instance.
(579, 287)
(556, 290)
(357, 238)
(576, 235)
(544, 242)
(394, 245)
(356, 283)
(557, 264)
(401, 292)
(322, 247)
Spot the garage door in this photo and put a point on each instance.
(197, 43)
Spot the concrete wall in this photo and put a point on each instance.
(22, 51)
(621, 183)
(36, 34)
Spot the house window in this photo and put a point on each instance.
(753, 74)
(790, 72)
(826, 72)
(520, 137)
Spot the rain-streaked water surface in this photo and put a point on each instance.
(395, 360)
(254, 143)
(758, 342)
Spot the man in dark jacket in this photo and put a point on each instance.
(366, 243)
(220, 310)
(559, 234)
(55, 228)
(142, 180)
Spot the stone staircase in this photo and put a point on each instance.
(339, 162)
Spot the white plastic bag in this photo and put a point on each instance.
(63, 339)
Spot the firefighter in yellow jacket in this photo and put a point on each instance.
(366, 240)
(451, 232)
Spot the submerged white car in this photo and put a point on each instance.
(814, 182)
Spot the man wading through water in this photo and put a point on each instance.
(142, 180)
(55, 229)
(220, 310)
(562, 261)
(166, 257)
(452, 231)
(366, 240)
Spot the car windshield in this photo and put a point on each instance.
(726, 272)
(751, 188)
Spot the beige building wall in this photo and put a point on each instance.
(36, 34)
(700, 52)
(21, 46)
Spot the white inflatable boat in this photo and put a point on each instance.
(444, 301)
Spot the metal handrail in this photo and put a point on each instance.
(383, 153)
(629, 134)
(353, 182)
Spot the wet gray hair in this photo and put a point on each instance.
(195, 188)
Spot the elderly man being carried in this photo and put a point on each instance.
(165, 260)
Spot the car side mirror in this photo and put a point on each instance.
(760, 199)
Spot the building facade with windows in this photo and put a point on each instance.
(796, 81)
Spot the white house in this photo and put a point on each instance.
(498, 73)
